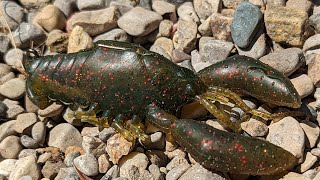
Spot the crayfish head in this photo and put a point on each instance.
(30, 63)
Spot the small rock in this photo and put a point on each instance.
(255, 128)
(311, 173)
(285, 25)
(10, 147)
(7, 129)
(176, 172)
(90, 131)
(26, 166)
(199, 172)
(286, 61)
(313, 71)
(27, 152)
(288, 134)
(312, 132)
(90, 5)
(4, 43)
(106, 133)
(196, 62)
(28, 142)
(315, 152)
(38, 132)
(50, 18)
(205, 29)
(4, 69)
(205, 8)
(214, 51)
(118, 146)
(303, 84)
(87, 164)
(27, 33)
(178, 56)
(78, 40)
(25, 121)
(92, 145)
(312, 43)
(19, 86)
(68, 160)
(276, 2)
(14, 57)
(257, 49)
(164, 43)
(104, 163)
(220, 27)
(139, 160)
(165, 28)
(71, 119)
(30, 106)
(57, 41)
(34, 4)
(315, 22)
(232, 4)
(303, 5)
(71, 136)
(53, 110)
(163, 8)
(13, 15)
(308, 162)
(13, 108)
(6, 166)
(186, 12)
(139, 21)
(246, 23)
(94, 22)
(176, 162)
(157, 141)
(186, 35)
(43, 158)
(67, 7)
(115, 35)
(51, 169)
(294, 176)
(157, 157)
(68, 173)
(155, 171)
(114, 172)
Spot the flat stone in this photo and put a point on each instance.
(288, 134)
(186, 12)
(87, 164)
(303, 5)
(139, 21)
(96, 21)
(313, 71)
(117, 147)
(116, 34)
(205, 8)
(255, 128)
(308, 162)
(50, 18)
(199, 172)
(10, 147)
(186, 35)
(63, 136)
(303, 84)
(286, 61)
(19, 86)
(26, 166)
(13, 15)
(312, 43)
(214, 51)
(137, 159)
(255, 50)
(7, 129)
(13, 109)
(38, 132)
(79, 40)
(285, 25)
(114, 171)
(25, 121)
(312, 132)
(90, 5)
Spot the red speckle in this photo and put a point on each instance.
(190, 132)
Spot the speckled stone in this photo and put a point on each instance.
(245, 24)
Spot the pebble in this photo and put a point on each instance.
(165, 44)
(157, 157)
(94, 22)
(311, 43)
(27, 152)
(220, 27)
(117, 147)
(178, 56)
(26, 166)
(232, 4)
(57, 41)
(308, 162)
(315, 22)
(276, 2)
(13, 15)
(257, 49)
(68, 173)
(7, 129)
(4, 43)
(28, 142)
(286, 61)
(205, 8)
(281, 30)
(64, 135)
(165, 28)
(25, 121)
(67, 7)
(139, 21)
(214, 51)
(103, 163)
(303, 5)
(13, 108)
(68, 160)
(163, 8)
(51, 169)
(255, 128)
(176, 172)
(90, 5)
(155, 171)
(303, 84)
(4, 69)
(43, 158)
(17, 84)
(71, 119)
(176, 162)
(79, 40)
(27, 33)
(294, 176)
(199, 172)
(29, 105)
(50, 18)
(10, 147)
(87, 164)
(186, 35)
(137, 159)
(6, 166)
(114, 171)
(116, 34)
(289, 135)
(312, 132)
(313, 69)
(245, 24)
(14, 57)
(92, 145)
(38, 132)
(106, 133)
(90, 131)
(53, 110)
(311, 173)
(157, 141)
(187, 12)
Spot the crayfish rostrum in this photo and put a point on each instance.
(123, 80)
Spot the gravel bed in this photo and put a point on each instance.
(48, 144)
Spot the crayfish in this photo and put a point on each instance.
(124, 81)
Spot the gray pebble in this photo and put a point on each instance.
(312, 132)
(199, 172)
(28, 142)
(38, 132)
(176, 162)
(205, 8)
(312, 43)
(7, 129)
(90, 4)
(114, 171)
(27, 33)
(51, 169)
(14, 14)
(3, 109)
(87, 164)
(10, 147)
(186, 35)
(176, 172)
(106, 133)
(186, 12)
(257, 49)
(308, 162)
(139, 160)
(68, 160)
(71, 136)
(90, 131)
(67, 7)
(245, 24)
(25, 121)
(27, 152)
(213, 51)
(163, 8)
(115, 35)
(139, 21)
(6, 166)
(14, 57)
(17, 84)
(255, 128)
(26, 166)
(4, 43)
(68, 173)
